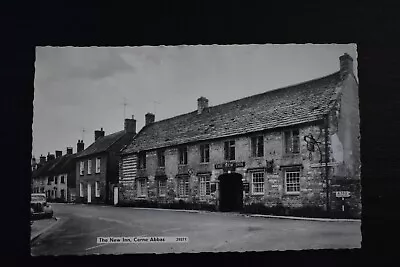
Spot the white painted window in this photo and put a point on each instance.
(183, 187)
(80, 189)
(98, 165)
(162, 187)
(97, 189)
(142, 187)
(292, 182)
(205, 185)
(257, 183)
(89, 166)
(82, 168)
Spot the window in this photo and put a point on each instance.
(257, 183)
(142, 187)
(292, 181)
(257, 146)
(292, 141)
(205, 153)
(62, 179)
(161, 158)
(56, 179)
(98, 165)
(89, 166)
(142, 160)
(81, 168)
(205, 185)
(183, 187)
(162, 187)
(80, 189)
(62, 194)
(229, 150)
(97, 189)
(42, 190)
(183, 155)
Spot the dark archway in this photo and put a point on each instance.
(230, 192)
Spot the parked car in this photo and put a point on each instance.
(39, 206)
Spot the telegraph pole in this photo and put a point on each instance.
(125, 103)
(83, 134)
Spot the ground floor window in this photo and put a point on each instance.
(62, 194)
(205, 186)
(142, 187)
(257, 180)
(162, 187)
(97, 188)
(183, 187)
(292, 181)
(80, 189)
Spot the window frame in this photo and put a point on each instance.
(142, 160)
(253, 192)
(183, 181)
(161, 158)
(141, 192)
(97, 189)
(292, 184)
(183, 155)
(98, 165)
(89, 169)
(62, 179)
(159, 181)
(228, 147)
(81, 168)
(204, 185)
(257, 146)
(205, 153)
(289, 149)
(81, 194)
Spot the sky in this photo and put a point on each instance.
(80, 90)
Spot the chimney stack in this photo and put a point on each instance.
(50, 156)
(130, 125)
(58, 153)
(80, 146)
(346, 65)
(202, 105)
(69, 150)
(149, 118)
(98, 134)
(42, 159)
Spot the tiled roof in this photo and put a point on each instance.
(56, 166)
(103, 143)
(295, 104)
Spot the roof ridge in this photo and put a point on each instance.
(247, 97)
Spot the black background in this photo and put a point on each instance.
(374, 27)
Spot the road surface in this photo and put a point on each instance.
(79, 226)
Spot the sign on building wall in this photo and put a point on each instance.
(229, 166)
(340, 194)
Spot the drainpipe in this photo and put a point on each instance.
(328, 208)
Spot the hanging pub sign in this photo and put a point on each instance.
(229, 166)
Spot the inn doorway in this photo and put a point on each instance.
(230, 192)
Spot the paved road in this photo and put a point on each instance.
(80, 225)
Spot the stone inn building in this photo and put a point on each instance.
(295, 146)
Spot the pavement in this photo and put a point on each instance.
(38, 227)
(79, 226)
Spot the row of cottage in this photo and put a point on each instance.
(294, 146)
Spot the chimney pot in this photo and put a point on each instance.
(149, 118)
(346, 65)
(202, 104)
(58, 153)
(69, 151)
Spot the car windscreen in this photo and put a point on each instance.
(38, 198)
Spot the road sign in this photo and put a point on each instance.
(342, 193)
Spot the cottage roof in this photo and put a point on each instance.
(291, 105)
(56, 166)
(105, 143)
